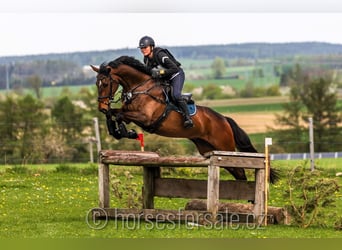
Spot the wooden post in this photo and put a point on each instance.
(312, 145)
(149, 176)
(97, 134)
(213, 189)
(259, 201)
(104, 199)
(268, 141)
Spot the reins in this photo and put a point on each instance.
(128, 96)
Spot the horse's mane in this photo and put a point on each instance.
(130, 61)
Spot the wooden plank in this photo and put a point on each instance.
(189, 188)
(279, 214)
(238, 162)
(234, 154)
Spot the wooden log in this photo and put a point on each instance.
(161, 215)
(152, 159)
(279, 215)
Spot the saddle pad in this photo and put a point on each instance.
(192, 109)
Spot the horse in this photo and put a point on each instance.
(145, 102)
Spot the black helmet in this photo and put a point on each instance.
(146, 41)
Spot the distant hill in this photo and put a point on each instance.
(243, 50)
(65, 69)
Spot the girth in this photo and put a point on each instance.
(154, 126)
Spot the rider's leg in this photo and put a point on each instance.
(187, 119)
(177, 83)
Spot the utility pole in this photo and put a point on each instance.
(7, 77)
(311, 141)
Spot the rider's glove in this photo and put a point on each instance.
(157, 73)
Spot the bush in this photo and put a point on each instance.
(309, 194)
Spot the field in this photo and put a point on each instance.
(52, 201)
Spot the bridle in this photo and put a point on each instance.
(110, 96)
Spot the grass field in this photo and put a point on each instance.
(52, 201)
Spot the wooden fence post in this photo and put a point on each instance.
(104, 199)
(213, 189)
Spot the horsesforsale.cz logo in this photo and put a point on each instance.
(98, 218)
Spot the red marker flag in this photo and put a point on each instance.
(141, 139)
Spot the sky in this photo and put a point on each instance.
(41, 26)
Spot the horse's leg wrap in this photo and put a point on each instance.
(112, 129)
(131, 134)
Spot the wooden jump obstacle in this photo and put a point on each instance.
(211, 189)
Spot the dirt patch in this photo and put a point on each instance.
(255, 122)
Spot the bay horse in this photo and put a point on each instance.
(146, 103)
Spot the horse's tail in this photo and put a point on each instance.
(242, 141)
(244, 144)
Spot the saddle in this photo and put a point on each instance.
(185, 96)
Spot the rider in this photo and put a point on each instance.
(164, 66)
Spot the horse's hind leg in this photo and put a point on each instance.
(238, 173)
(202, 146)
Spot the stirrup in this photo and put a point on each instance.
(188, 123)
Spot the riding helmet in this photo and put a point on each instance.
(146, 41)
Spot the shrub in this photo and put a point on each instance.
(309, 194)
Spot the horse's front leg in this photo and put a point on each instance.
(120, 131)
(111, 126)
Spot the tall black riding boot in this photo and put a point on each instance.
(187, 119)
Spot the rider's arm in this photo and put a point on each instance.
(170, 67)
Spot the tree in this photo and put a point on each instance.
(212, 91)
(9, 118)
(31, 125)
(68, 121)
(23, 125)
(218, 67)
(320, 100)
(311, 95)
(67, 118)
(35, 82)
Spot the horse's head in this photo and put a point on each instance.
(107, 85)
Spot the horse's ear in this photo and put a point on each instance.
(108, 69)
(95, 68)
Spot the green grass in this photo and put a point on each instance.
(52, 201)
